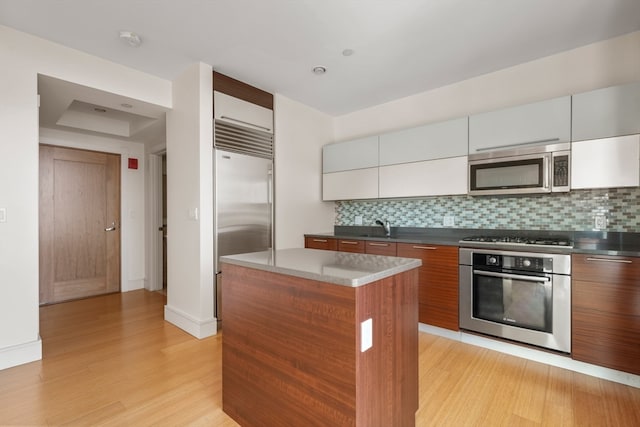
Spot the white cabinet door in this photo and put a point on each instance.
(432, 141)
(602, 113)
(350, 185)
(427, 178)
(544, 122)
(606, 163)
(240, 112)
(348, 155)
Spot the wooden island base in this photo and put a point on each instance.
(291, 350)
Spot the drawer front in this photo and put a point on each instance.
(605, 269)
(380, 248)
(606, 325)
(433, 256)
(350, 245)
(327, 244)
(438, 283)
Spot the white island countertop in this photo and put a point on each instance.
(340, 268)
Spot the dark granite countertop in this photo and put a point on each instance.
(585, 242)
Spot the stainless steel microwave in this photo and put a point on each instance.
(532, 169)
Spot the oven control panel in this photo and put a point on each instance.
(513, 262)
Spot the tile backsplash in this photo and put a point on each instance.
(575, 211)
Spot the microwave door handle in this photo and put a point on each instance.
(547, 172)
(512, 276)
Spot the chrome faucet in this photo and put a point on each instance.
(386, 226)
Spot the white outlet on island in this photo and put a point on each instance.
(366, 335)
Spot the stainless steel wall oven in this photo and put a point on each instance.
(520, 296)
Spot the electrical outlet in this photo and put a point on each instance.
(366, 335)
(600, 222)
(449, 221)
(358, 220)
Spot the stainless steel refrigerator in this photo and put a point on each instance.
(243, 194)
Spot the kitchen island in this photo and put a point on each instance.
(317, 338)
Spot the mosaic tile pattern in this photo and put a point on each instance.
(574, 211)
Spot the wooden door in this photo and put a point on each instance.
(79, 223)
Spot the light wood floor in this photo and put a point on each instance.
(112, 360)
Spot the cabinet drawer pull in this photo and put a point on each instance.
(320, 240)
(348, 242)
(620, 261)
(378, 244)
(431, 248)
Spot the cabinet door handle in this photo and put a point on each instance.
(348, 242)
(518, 144)
(431, 248)
(619, 261)
(378, 244)
(320, 240)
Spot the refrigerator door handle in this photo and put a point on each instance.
(270, 202)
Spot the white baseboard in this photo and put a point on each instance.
(20, 354)
(552, 359)
(197, 328)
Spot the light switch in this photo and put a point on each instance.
(193, 214)
(3, 214)
(366, 335)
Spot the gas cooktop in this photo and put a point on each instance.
(519, 241)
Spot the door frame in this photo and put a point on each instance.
(154, 252)
(130, 276)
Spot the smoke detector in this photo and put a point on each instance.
(319, 70)
(131, 38)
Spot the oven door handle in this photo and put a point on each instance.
(512, 276)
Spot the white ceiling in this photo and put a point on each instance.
(401, 47)
(77, 108)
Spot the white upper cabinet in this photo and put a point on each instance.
(432, 141)
(239, 112)
(544, 122)
(427, 178)
(355, 154)
(606, 163)
(602, 113)
(350, 169)
(350, 185)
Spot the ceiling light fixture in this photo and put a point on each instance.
(319, 70)
(131, 38)
(347, 52)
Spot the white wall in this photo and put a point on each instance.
(300, 133)
(602, 64)
(22, 57)
(190, 188)
(132, 206)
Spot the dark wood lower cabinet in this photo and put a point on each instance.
(438, 276)
(605, 317)
(351, 245)
(325, 243)
(380, 248)
(438, 283)
(292, 356)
